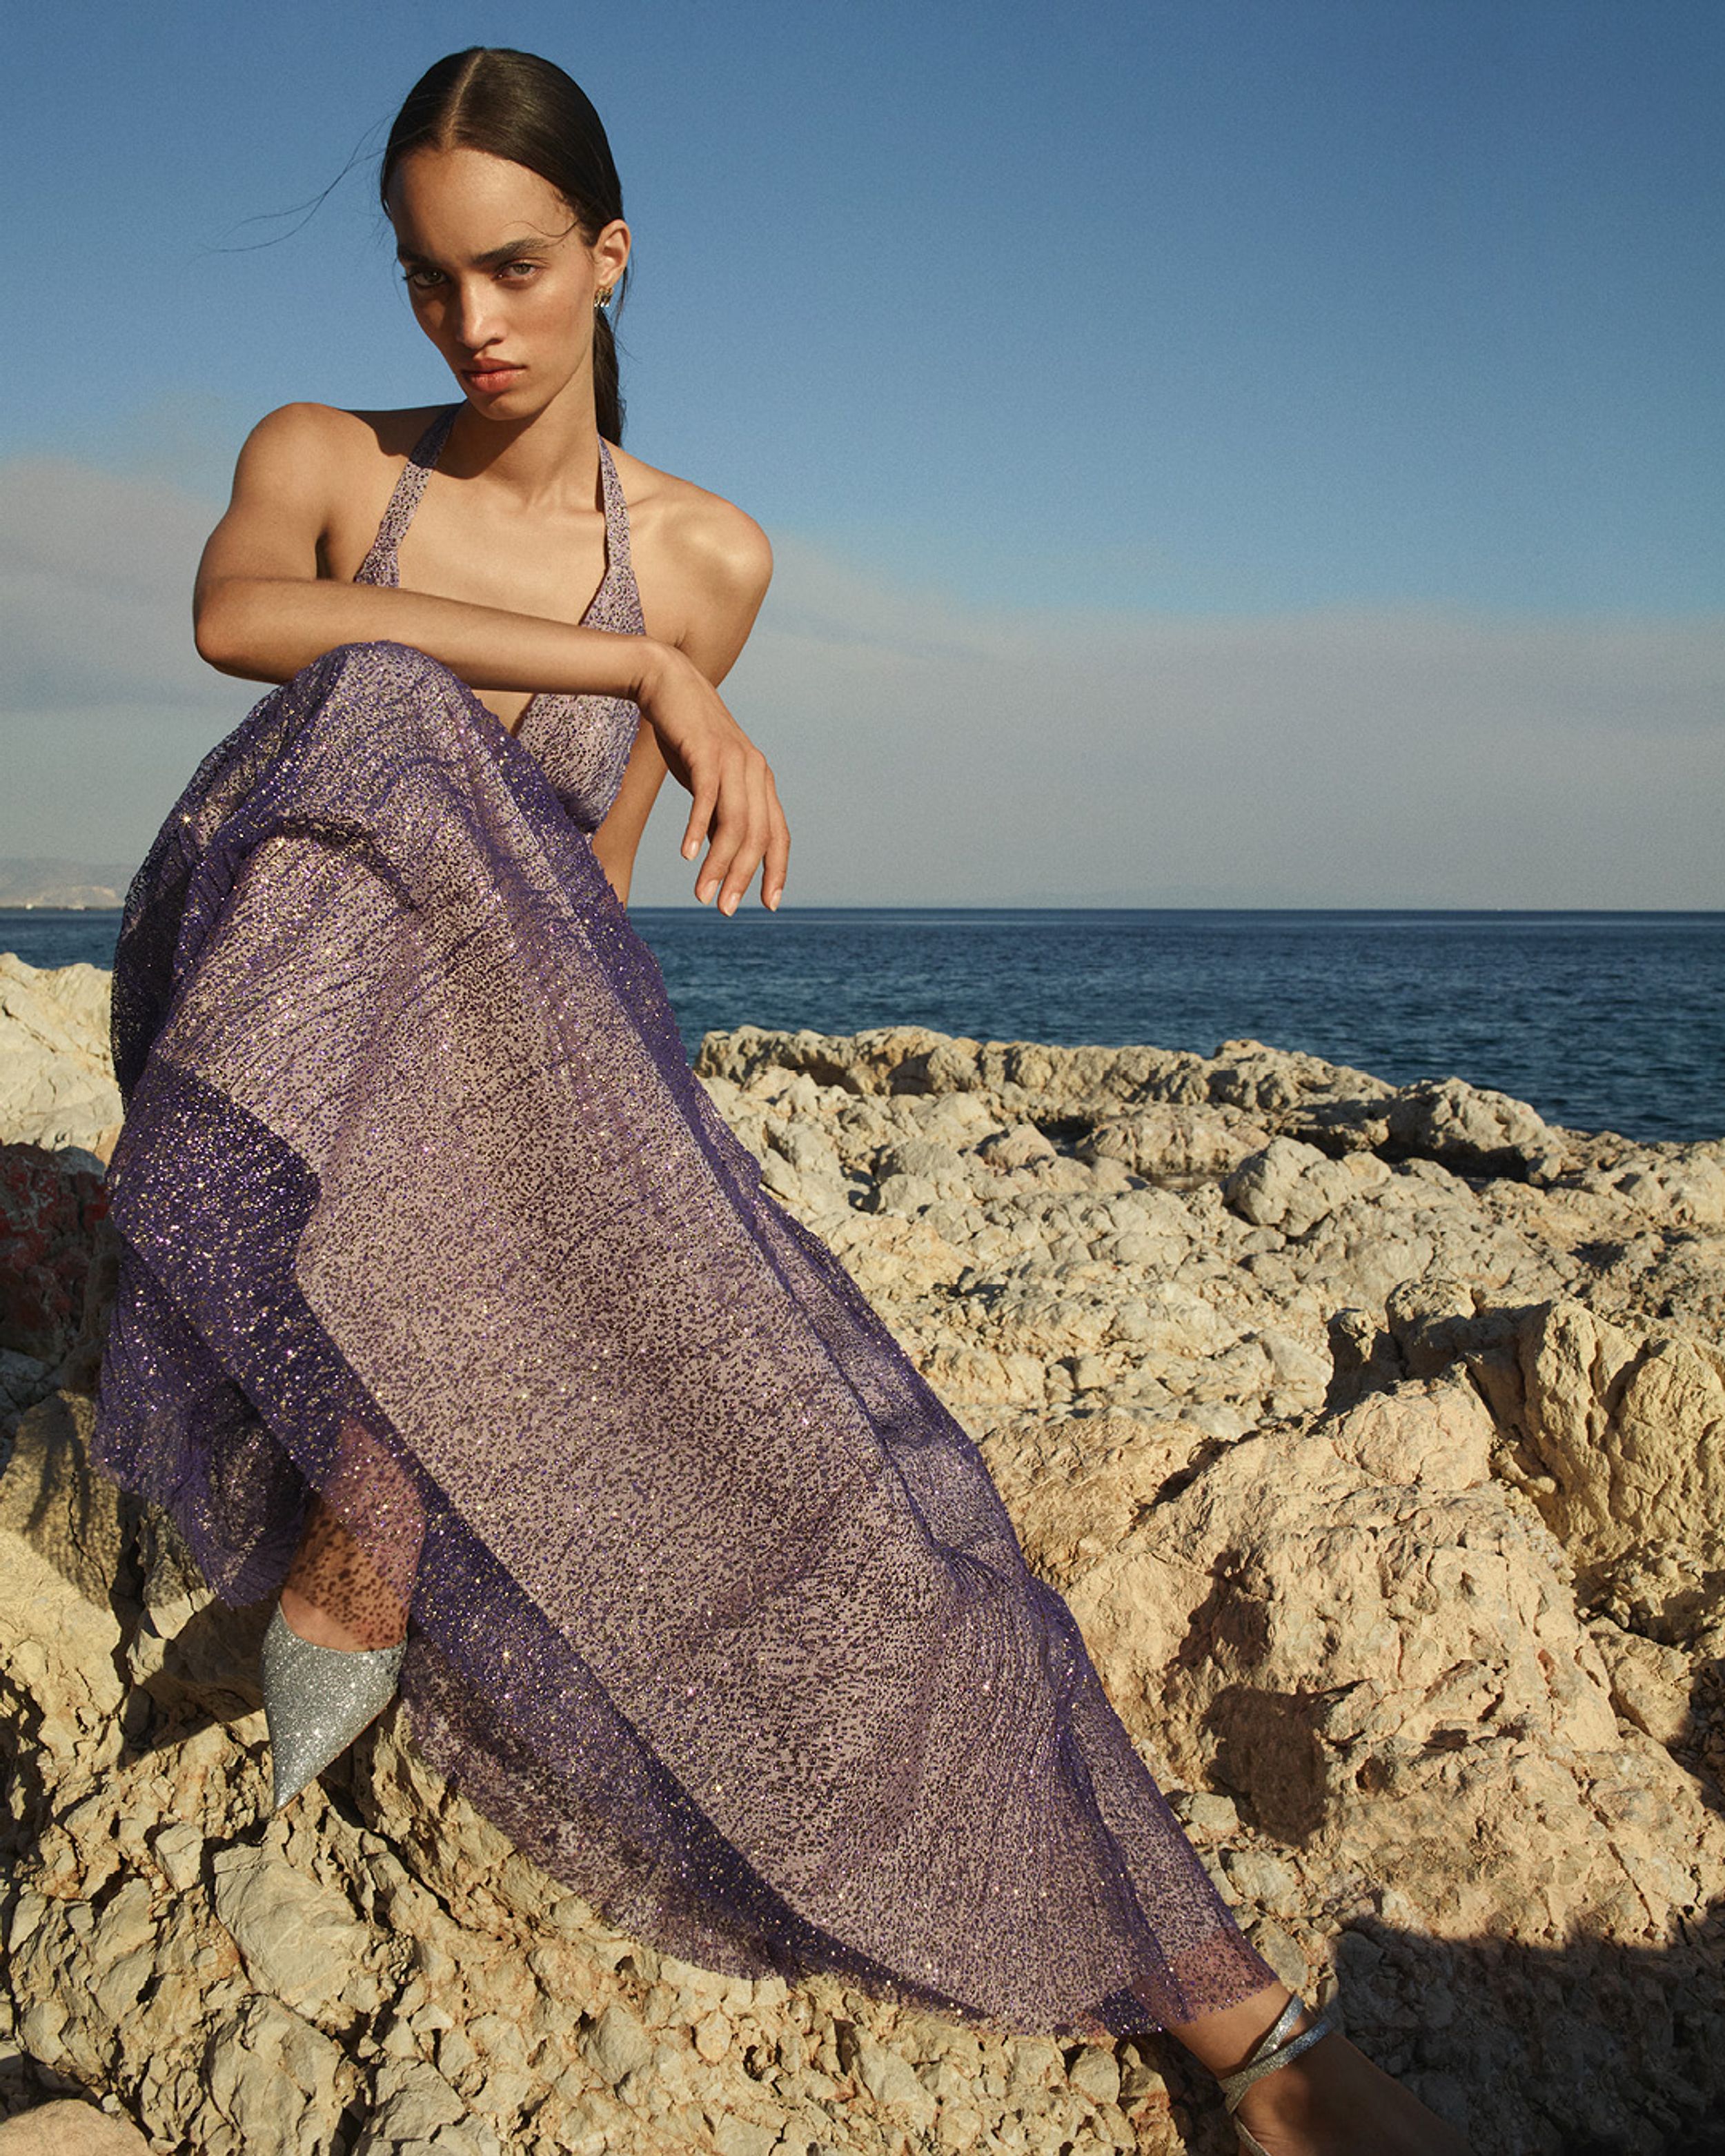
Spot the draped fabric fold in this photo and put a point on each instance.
(714, 1608)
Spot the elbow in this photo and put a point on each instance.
(208, 629)
(215, 629)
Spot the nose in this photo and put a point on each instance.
(477, 321)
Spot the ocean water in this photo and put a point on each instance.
(1602, 1021)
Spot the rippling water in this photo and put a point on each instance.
(1602, 1021)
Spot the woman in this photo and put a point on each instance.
(451, 1312)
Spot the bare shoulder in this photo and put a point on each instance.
(390, 433)
(697, 537)
(312, 442)
(324, 475)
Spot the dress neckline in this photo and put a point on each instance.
(381, 565)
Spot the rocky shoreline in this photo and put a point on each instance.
(1376, 1436)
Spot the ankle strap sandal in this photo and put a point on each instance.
(1274, 2048)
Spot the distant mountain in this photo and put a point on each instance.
(77, 885)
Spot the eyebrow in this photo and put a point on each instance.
(492, 259)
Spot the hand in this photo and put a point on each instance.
(733, 802)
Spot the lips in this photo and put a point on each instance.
(493, 375)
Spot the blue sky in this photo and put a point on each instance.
(1139, 343)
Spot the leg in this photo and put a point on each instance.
(334, 1595)
(332, 1654)
(1331, 2101)
(337, 1593)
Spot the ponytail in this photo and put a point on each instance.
(608, 400)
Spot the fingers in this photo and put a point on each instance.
(733, 803)
(777, 857)
(703, 800)
(740, 831)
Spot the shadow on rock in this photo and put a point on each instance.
(1267, 1742)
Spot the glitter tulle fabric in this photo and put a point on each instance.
(714, 1608)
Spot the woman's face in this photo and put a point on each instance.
(500, 278)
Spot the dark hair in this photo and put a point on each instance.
(516, 105)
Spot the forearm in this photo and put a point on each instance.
(265, 629)
(618, 839)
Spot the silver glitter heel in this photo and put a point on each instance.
(1274, 2048)
(317, 1701)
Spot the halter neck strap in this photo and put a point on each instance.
(379, 564)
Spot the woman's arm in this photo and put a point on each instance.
(727, 569)
(261, 611)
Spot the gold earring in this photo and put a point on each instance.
(603, 297)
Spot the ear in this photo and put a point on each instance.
(610, 252)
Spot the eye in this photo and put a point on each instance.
(420, 281)
(509, 269)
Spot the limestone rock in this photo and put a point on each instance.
(1474, 1129)
(70, 2128)
(1649, 1682)
(1289, 1186)
(275, 2079)
(56, 1082)
(1373, 1434)
(1617, 1433)
(617, 2044)
(299, 1941)
(1163, 1140)
(1630, 1428)
(1020, 1146)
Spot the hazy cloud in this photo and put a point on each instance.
(96, 590)
(931, 751)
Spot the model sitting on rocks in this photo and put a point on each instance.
(452, 1312)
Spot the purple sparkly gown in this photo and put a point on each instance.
(715, 1608)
